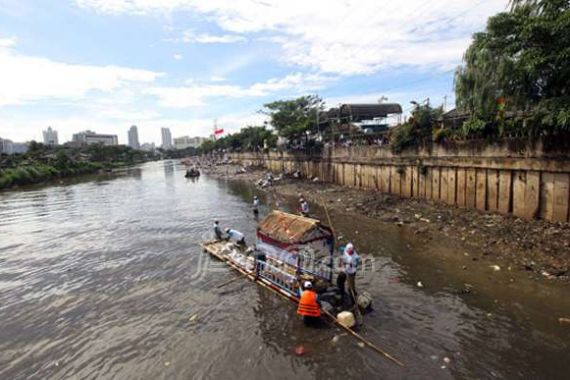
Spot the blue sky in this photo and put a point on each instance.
(108, 64)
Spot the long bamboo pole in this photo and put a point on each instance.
(232, 280)
(365, 341)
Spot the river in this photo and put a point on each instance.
(101, 278)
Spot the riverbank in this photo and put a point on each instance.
(501, 242)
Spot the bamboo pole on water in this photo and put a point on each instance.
(232, 280)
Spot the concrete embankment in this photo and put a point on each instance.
(530, 182)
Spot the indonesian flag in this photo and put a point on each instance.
(218, 131)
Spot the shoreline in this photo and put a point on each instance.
(504, 242)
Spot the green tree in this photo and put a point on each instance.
(521, 62)
(418, 129)
(292, 118)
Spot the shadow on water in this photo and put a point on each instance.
(103, 278)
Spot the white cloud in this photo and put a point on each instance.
(194, 95)
(341, 36)
(7, 42)
(26, 78)
(189, 36)
(177, 56)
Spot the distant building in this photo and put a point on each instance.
(148, 147)
(90, 137)
(188, 142)
(134, 137)
(10, 147)
(166, 138)
(50, 137)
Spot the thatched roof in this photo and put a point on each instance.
(290, 228)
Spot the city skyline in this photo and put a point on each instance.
(185, 63)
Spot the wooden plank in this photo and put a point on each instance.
(519, 193)
(505, 191)
(461, 182)
(395, 180)
(561, 185)
(547, 196)
(407, 182)
(385, 179)
(492, 190)
(532, 195)
(471, 188)
(436, 183)
(481, 186)
(444, 183)
(429, 183)
(415, 182)
(421, 192)
(451, 185)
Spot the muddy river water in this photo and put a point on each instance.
(102, 278)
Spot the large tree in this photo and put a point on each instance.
(521, 62)
(292, 118)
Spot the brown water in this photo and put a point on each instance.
(102, 278)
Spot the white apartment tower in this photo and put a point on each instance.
(50, 137)
(166, 138)
(134, 137)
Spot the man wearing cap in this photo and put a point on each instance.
(309, 306)
(349, 262)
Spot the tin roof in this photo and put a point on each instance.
(290, 228)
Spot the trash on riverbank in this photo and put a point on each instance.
(564, 321)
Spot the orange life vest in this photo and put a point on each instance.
(308, 305)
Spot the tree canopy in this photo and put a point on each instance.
(248, 138)
(292, 118)
(520, 63)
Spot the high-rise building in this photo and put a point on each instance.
(90, 137)
(134, 137)
(50, 137)
(10, 147)
(166, 138)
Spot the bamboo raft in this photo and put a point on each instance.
(216, 249)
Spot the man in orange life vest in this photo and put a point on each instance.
(309, 306)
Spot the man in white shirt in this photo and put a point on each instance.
(236, 236)
(349, 262)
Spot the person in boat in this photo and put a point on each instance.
(256, 204)
(349, 262)
(236, 236)
(309, 306)
(218, 230)
(304, 207)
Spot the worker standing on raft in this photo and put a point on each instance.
(218, 230)
(256, 204)
(349, 262)
(309, 306)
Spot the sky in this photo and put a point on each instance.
(105, 65)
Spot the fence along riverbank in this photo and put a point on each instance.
(507, 177)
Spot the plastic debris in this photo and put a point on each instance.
(346, 318)
(420, 284)
(193, 318)
(496, 268)
(446, 360)
(166, 364)
(360, 344)
(300, 350)
(564, 320)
